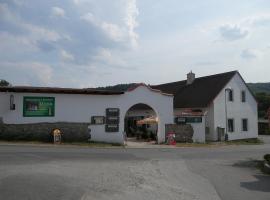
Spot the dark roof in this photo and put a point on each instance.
(28, 89)
(198, 94)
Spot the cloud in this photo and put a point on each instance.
(118, 32)
(58, 12)
(232, 32)
(113, 31)
(132, 13)
(106, 57)
(27, 73)
(66, 56)
(249, 54)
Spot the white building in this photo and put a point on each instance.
(214, 103)
(103, 111)
(225, 101)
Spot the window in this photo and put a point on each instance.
(244, 124)
(230, 95)
(230, 125)
(97, 120)
(243, 96)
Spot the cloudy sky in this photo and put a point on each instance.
(88, 43)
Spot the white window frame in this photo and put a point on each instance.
(233, 125)
(243, 124)
(245, 96)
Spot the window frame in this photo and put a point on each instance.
(243, 96)
(243, 128)
(233, 125)
(230, 95)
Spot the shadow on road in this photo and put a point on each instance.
(263, 181)
(261, 184)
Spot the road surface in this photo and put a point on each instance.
(63, 173)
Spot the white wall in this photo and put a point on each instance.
(209, 122)
(236, 110)
(80, 108)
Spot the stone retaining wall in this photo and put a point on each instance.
(71, 132)
(183, 132)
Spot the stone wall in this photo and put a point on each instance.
(183, 132)
(71, 132)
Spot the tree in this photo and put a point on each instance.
(4, 83)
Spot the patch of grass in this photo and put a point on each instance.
(94, 144)
(198, 144)
(82, 144)
(251, 141)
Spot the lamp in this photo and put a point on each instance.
(226, 116)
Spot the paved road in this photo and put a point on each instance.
(34, 172)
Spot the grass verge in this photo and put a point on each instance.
(81, 144)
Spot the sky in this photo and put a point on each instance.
(90, 43)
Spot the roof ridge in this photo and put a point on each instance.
(201, 77)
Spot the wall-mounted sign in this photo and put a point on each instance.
(38, 106)
(97, 120)
(194, 119)
(112, 112)
(183, 120)
(112, 120)
(180, 120)
(112, 128)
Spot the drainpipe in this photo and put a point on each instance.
(226, 114)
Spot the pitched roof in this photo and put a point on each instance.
(55, 90)
(198, 94)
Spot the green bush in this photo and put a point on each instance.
(267, 157)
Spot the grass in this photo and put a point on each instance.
(81, 144)
(252, 141)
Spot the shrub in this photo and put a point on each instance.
(267, 157)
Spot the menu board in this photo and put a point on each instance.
(112, 120)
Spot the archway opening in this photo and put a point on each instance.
(141, 124)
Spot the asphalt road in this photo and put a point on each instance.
(38, 172)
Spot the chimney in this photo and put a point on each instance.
(190, 78)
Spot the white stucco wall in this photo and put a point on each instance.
(209, 122)
(236, 110)
(80, 108)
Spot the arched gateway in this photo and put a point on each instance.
(160, 103)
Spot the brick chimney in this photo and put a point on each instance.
(190, 78)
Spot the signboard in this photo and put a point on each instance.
(38, 106)
(112, 128)
(180, 120)
(112, 112)
(194, 119)
(183, 120)
(112, 120)
(97, 120)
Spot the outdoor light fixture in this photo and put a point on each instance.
(226, 116)
(11, 102)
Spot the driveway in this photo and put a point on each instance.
(33, 172)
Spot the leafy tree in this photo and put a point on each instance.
(4, 83)
(263, 104)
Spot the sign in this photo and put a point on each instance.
(112, 120)
(97, 120)
(194, 119)
(180, 120)
(183, 120)
(38, 106)
(112, 128)
(112, 112)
